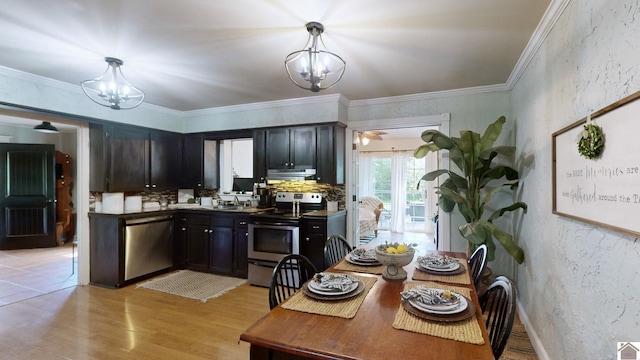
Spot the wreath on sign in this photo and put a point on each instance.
(591, 141)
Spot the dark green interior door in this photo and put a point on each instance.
(27, 192)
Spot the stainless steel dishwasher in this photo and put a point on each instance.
(148, 245)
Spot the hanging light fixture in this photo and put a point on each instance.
(311, 68)
(46, 127)
(111, 89)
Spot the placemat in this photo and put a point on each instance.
(468, 331)
(462, 279)
(345, 265)
(340, 308)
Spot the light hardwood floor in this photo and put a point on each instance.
(90, 322)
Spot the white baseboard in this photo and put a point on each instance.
(533, 336)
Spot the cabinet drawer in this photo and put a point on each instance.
(315, 227)
(200, 220)
(242, 222)
(222, 221)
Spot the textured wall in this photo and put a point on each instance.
(579, 285)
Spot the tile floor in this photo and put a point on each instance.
(29, 273)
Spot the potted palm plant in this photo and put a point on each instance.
(474, 186)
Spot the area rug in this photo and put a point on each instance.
(193, 284)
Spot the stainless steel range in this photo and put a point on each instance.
(276, 234)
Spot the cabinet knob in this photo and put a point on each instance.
(199, 185)
(306, 239)
(292, 165)
(315, 227)
(206, 230)
(210, 231)
(286, 164)
(146, 185)
(246, 234)
(153, 186)
(184, 229)
(243, 223)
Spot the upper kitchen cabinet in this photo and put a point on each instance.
(125, 158)
(259, 155)
(291, 148)
(330, 154)
(192, 161)
(200, 162)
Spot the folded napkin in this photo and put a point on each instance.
(334, 282)
(431, 296)
(363, 254)
(437, 261)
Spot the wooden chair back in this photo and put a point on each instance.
(288, 276)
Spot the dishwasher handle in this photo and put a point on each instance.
(145, 220)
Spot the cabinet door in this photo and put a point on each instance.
(98, 159)
(180, 241)
(278, 148)
(128, 159)
(259, 156)
(165, 153)
(211, 164)
(241, 247)
(314, 235)
(330, 154)
(198, 243)
(221, 249)
(302, 147)
(192, 161)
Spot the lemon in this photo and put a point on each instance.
(446, 294)
(392, 250)
(402, 249)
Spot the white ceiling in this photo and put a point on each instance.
(198, 54)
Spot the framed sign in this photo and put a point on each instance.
(605, 190)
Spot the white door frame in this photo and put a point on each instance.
(441, 120)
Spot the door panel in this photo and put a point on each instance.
(27, 196)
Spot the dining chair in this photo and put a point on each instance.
(288, 276)
(335, 248)
(498, 306)
(477, 262)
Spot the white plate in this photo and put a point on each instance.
(443, 310)
(452, 267)
(315, 287)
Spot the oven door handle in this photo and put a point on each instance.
(271, 223)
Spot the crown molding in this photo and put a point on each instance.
(549, 20)
(430, 95)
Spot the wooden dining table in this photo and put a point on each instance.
(370, 334)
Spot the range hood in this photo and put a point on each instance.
(291, 174)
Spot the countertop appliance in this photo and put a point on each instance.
(276, 234)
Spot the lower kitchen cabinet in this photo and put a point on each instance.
(315, 231)
(127, 248)
(217, 243)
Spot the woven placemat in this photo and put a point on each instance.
(468, 331)
(340, 308)
(462, 278)
(345, 265)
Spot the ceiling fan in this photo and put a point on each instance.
(365, 136)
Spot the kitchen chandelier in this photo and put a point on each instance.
(111, 89)
(311, 68)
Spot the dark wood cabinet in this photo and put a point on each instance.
(291, 148)
(192, 161)
(221, 244)
(330, 154)
(198, 242)
(217, 243)
(259, 156)
(240, 266)
(320, 147)
(314, 232)
(127, 158)
(165, 157)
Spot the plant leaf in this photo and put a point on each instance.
(492, 133)
(491, 192)
(498, 213)
(475, 233)
(506, 241)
